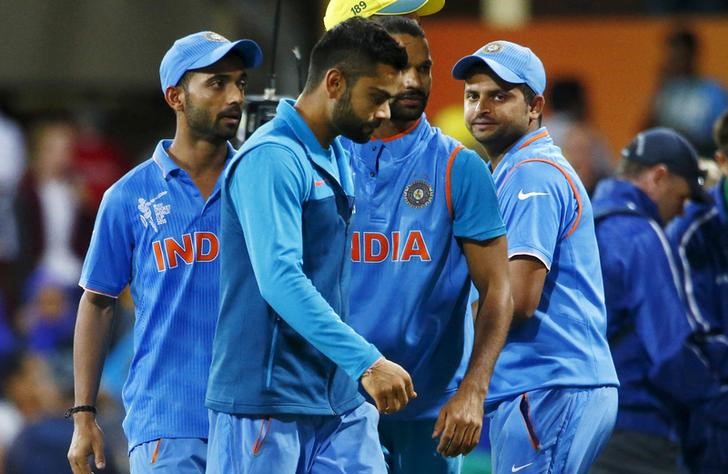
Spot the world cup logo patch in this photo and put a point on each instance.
(418, 194)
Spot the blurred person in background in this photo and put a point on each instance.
(700, 239)
(686, 100)
(650, 332)
(13, 159)
(49, 204)
(39, 389)
(157, 231)
(582, 144)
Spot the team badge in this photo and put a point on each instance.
(493, 47)
(212, 36)
(152, 213)
(418, 194)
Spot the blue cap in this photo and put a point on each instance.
(510, 61)
(666, 146)
(200, 50)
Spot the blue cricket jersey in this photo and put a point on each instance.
(155, 232)
(416, 193)
(282, 345)
(548, 216)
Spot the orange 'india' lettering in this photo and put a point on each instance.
(204, 248)
(376, 247)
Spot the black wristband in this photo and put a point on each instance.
(79, 408)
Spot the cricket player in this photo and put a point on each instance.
(158, 231)
(283, 388)
(426, 222)
(553, 396)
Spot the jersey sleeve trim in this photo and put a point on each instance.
(448, 179)
(99, 292)
(530, 253)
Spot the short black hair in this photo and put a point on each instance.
(720, 132)
(355, 46)
(400, 25)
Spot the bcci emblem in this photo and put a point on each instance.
(212, 36)
(493, 47)
(418, 194)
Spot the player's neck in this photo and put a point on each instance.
(389, 128)
(198, 156)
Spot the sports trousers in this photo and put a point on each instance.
(557, 430)
(296, 444)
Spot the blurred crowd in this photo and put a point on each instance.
(53, 175)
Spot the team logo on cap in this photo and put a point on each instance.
(418, 194)
(212, 36)
(493, 47)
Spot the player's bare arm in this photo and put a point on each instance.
(460, 421)
(528, 275)
(93, 327)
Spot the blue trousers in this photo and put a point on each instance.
(552, 430)
(169, 456)
(296, 444)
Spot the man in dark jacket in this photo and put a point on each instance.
(650, 331)
(700, 239)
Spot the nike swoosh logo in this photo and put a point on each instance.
(522, 195)
(519, 468)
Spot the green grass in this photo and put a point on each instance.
(477, 462)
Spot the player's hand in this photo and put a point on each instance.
(87, 440)
(389, 385)
(460, 422)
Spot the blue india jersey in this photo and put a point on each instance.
(416, 193)
(156, 233)
(549, 217)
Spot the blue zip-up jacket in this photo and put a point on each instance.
(700, 240)
(649, 330)
(281, 344)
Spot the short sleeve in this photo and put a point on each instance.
(476, 214)
(108, 263)
(537, 205)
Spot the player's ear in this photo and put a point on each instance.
(335, 83)
(537, 106)
(174, 96)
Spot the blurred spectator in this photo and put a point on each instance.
(685, 100)
(39, 392)
(582, 145)
(649, 329)
(49, 204)
(700, 238)
(48, 316)
(98, 160)
(13, 159)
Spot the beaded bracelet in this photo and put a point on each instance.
(78, 409)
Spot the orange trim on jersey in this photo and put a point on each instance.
(155, 453)
(264, 428)
(448, 181)
(543, 134)
(403, 133)
(573, 187)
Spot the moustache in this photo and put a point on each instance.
(417, 95)
(231, 112)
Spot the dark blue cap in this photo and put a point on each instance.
(666, 146)
(203, 49)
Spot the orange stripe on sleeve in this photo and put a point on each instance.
(155, 454)
(448, 180)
